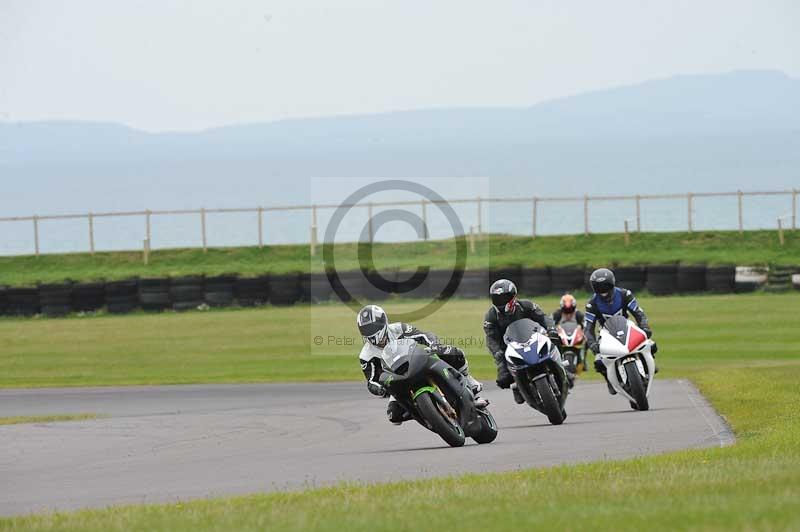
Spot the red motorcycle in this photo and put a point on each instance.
(573, 346)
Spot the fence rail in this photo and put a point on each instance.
(479, 202)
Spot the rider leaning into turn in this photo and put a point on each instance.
(609, 300)
(378, 334)
(505, 310)
(568, 311)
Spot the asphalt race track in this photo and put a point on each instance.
(166, 443)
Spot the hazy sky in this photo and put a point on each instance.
(185, 65)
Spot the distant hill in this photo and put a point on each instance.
(734, 130)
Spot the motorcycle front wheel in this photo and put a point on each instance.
(433, 411)
(550, 405)
(488, 431)
(636, 386)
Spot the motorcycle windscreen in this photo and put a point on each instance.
(569, 327)
(626, 333)
(404, 354)
(521, 331)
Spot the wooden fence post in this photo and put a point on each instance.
(741, 213)
(146, 251)
(91, 234)
(780, 231)
(689, 210)
(480, 216)
(313, 230)
(627, 238)
(533, 216)
(638, 214)
(794, 209)
(36, 234)
(261, 227)
(424, 220)
(203, 229)
(369, 221)
(472, 239)
(586, 214)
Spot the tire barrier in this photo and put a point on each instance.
(122, 296)
(315, 288)
(220, 290)
(512, 273)
(88, 297)
(55, 299)
(662, 279)
(22, 301)
(691, 279)
(154, 294)
(721, 279)
(474, 284)
(567, 279)
(191, 292)
(186, 293)
(749, 279)
(633, 278)
(253, 291)
(535, 281)
(415, 285)
(285, 289)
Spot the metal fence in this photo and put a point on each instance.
(534, 204)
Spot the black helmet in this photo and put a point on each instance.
(603, 282)
(504, 295)
(373, 324)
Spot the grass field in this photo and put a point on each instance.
(277, 344)
(739, 350)
(728, 247)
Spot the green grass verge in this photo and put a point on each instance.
(734, 348)
(277, 344)
(728, 247)
(17, 420)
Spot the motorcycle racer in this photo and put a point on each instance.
(568, 311)
(379, 335)
(505, 310)
(609, 300)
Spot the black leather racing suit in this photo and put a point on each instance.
(495, 324)
(558, 315)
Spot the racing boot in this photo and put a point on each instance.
(600, 368)
(517, 395)
(474, 385)
(504, 377)
(396, 413)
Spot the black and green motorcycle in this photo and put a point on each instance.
(435, 395)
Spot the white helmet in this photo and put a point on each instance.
(373, 324)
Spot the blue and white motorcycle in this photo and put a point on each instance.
(538, 370)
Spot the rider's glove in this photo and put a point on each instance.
(377, 389)
(595, 347)
(599, 367)
(439, 349)
(648, 331)
(552, 333)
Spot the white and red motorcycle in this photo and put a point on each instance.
(626, 352)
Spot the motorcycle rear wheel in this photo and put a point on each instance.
(636, 386)
(550, 405)
(450, 431)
